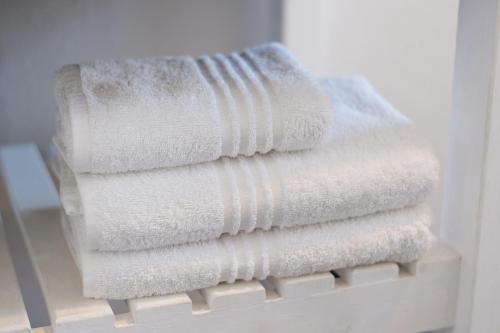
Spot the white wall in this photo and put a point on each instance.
(405, 48)
(39, 36)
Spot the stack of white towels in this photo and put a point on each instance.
(179, 173)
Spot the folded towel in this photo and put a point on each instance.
(122, 115)
(399, 236)
(373, 162)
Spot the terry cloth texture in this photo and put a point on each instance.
(398, 236)
(141, 114)
(373, 162)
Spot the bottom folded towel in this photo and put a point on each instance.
(398, 236)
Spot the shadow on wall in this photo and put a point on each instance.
(38, 37)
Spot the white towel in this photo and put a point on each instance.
(122, 115)
(399, 236)
(372, 163)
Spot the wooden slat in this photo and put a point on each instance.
(421, 297)
(160, 309)
(304, 286)
(236, 295)
(369, 274)
(37, 206)
(439, 253)
(13, 317)
(29, 285)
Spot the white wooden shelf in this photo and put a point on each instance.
(385, 297)
(13, 317)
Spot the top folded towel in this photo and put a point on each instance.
(124, 115)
